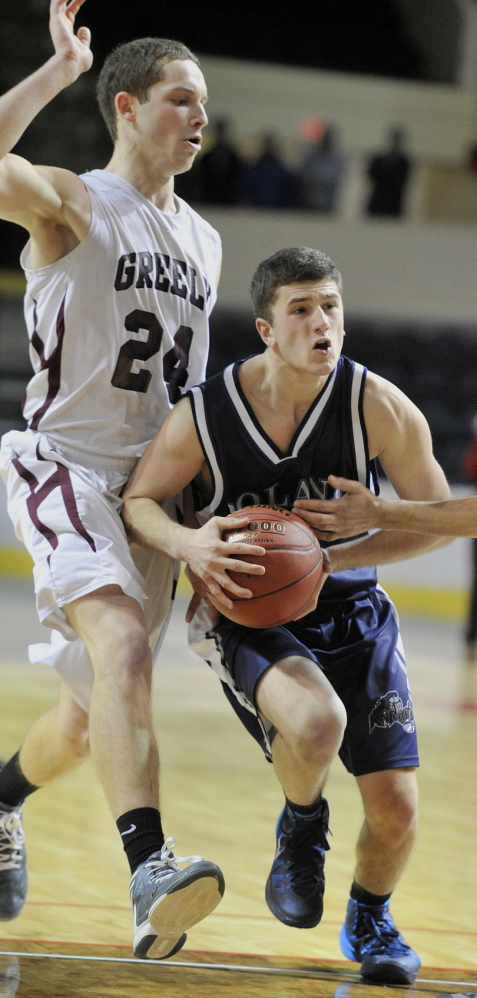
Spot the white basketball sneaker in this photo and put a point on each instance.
(166, 900)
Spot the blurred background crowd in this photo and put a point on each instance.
(311, 180)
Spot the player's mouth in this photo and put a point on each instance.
(195, 141)
(322, 346)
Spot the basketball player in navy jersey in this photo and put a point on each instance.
(271, 429)
(121, 280)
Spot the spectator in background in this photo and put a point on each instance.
(472, 160)
(469, 467)
(389, 172)
(321, 173)
(220, 169)
(267, 181)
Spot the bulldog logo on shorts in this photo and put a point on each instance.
(389, 710)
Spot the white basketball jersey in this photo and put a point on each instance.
(118, 328)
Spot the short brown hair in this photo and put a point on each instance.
(297, 263)
(135, 67)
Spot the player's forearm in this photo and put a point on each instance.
(454, 517)
(148, 524)
(19, 106)
(382, 548)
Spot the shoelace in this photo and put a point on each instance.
(168, 862)
(377, 935)
(11, 840)
(306, 866)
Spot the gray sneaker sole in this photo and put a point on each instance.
(175, 912)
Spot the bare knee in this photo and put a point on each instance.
(298, 700)
(124, 656)
(78, 741)
(113, 627)
(319, 730)
(72, 727)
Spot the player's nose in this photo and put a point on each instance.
(200, 117)
(320, 319)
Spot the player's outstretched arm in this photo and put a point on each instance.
(26, 192)
(172, 461)
(360, 510)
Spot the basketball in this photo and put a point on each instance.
(293, 567)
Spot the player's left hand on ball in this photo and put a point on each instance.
(351, 514)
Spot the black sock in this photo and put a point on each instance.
(365, 897)
(304, 809)
(14, 786)
(141, 833)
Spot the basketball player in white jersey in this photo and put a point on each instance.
(121, 279)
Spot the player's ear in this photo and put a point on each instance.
(265, 330)
(125, 105)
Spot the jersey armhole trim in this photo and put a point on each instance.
(200, 421)
(360, 436)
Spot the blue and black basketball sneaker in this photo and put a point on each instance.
(295, 887)
(370, 936)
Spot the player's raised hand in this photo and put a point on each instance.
(73, 48)
(352, 514)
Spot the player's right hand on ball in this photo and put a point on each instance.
(208, 556)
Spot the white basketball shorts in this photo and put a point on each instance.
(67, 516)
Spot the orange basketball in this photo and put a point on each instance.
(293, 566)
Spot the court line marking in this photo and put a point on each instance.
(186, 965)
(218, 966)
(315, 960)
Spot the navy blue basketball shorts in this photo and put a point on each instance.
(357, 645)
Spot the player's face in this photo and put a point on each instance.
(307, 331)
(169, 125)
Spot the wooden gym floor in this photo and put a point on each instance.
(221, 799)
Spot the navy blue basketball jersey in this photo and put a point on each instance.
(247, 467)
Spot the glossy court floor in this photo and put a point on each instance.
(221, 799)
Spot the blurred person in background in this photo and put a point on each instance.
(220, 169)
(268, 182)
(388, 173)
(321, 173)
